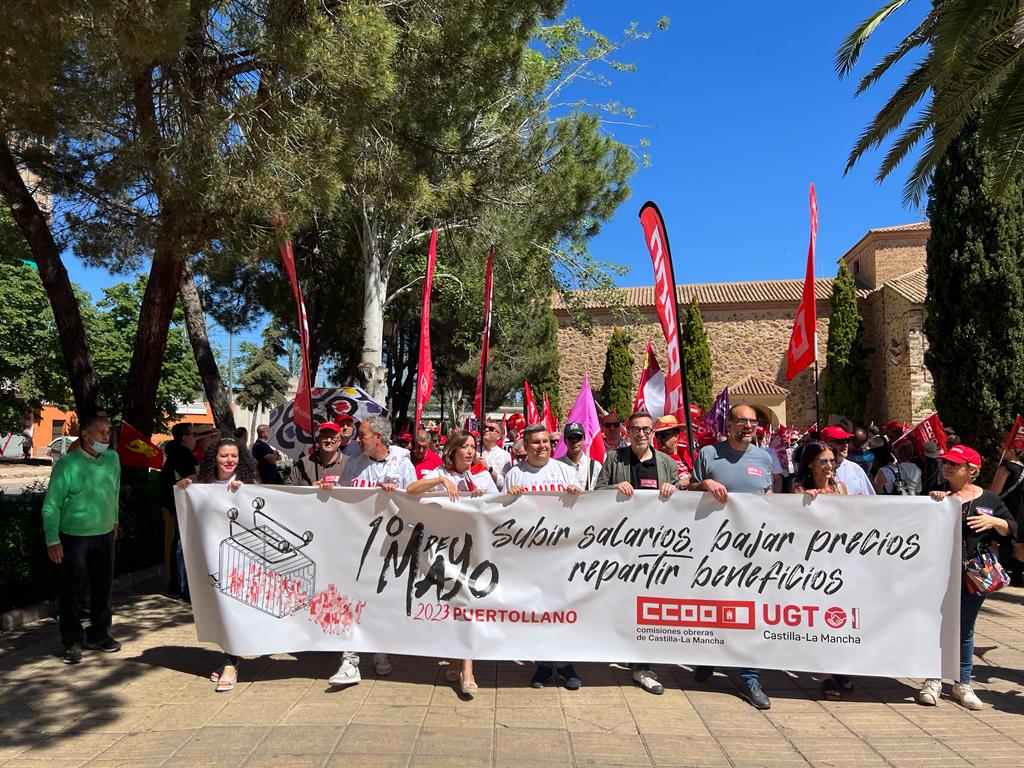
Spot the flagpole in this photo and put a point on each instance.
(817, 389)
(682, 345)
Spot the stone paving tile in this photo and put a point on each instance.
(153, 706)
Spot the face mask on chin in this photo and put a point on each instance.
(99, 447)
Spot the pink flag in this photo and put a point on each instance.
(584, 411)
(425, 369)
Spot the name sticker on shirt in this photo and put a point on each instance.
(648, 482)
(755, 471)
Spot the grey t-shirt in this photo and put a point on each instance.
(748, 471)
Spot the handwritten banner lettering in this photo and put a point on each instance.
(851, 585)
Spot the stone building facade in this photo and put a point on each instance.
(749, 324)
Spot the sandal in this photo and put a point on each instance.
(215, 675)
(228, 678)
(469, 687)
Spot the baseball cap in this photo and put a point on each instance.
(574, 428)
(668, 421)
(835, 433)
(960, 454)
(931, 449)
(328, 426)
(405, 436)
(344, 417)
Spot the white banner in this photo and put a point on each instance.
(855, 585)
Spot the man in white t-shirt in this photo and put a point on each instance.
(496, 457)
(378, 465)
(849, 472)
(539, 472)
(587, 469)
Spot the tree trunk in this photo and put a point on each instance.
(195, 324)
(34, 225)
(151, 338)
(376, 271)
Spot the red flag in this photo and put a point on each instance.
(136, 450)
(425, 367)
(302, 413)
(639, 403)
(530, 405)
(803, 341)
(929, 429)
(485, 345)
(665, 302)
(547, 417)
(1015, 442)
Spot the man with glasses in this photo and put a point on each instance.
(638, 466)
(611, 432)
(496, 457)
(735, 466)
(587, 469)
(849, 472)
(322, 467)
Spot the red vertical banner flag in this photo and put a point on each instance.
(665, 303)
(530, 405)
(547, 416)
(928, 430)
(425, 367)
(479, 406)
(1015, 440)
(302, 412)
(803, 341)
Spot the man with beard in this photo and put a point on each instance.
(735, 466)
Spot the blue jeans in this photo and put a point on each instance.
(179, 580)
(970, 605)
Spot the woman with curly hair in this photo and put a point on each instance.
(226, 462)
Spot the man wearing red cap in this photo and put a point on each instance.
(321, 467)
(347, 426)
(856, 480)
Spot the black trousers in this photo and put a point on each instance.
(88, 562)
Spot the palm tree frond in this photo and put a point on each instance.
(849, 51)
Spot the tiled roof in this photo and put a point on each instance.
(912, 286)
(916, 226)
(756, 292)
(753, 385)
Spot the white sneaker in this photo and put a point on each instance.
(930, 692)
(382, 664)
(965, 696)
(648, 681)
(348, 672)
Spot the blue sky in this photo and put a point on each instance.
(743, 111)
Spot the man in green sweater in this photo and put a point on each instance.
(80, 521)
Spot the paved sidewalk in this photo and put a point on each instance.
(152, 705)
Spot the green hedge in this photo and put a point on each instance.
(26, 574)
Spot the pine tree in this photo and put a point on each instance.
(846, 385)
(617, 388)
(975, 301)
(264, 382)
(697, 354)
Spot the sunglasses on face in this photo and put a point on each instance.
(826, 462)
(573, 438)
(520, 456)
(948, 463)
(616, 425)
(490, 429)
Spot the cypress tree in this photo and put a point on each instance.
(697, 354)
(846, 385)
(617, 387)
(975, 301)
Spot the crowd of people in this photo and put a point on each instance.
(644, 456)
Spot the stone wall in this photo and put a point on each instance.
(743, 342)
(880, 257)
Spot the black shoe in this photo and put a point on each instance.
(106, 644)
(752, 692)
(541, 677)
(572, 680)
(703, 674)
(73, 654)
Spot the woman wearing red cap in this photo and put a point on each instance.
(985, 518)
(454, 476)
